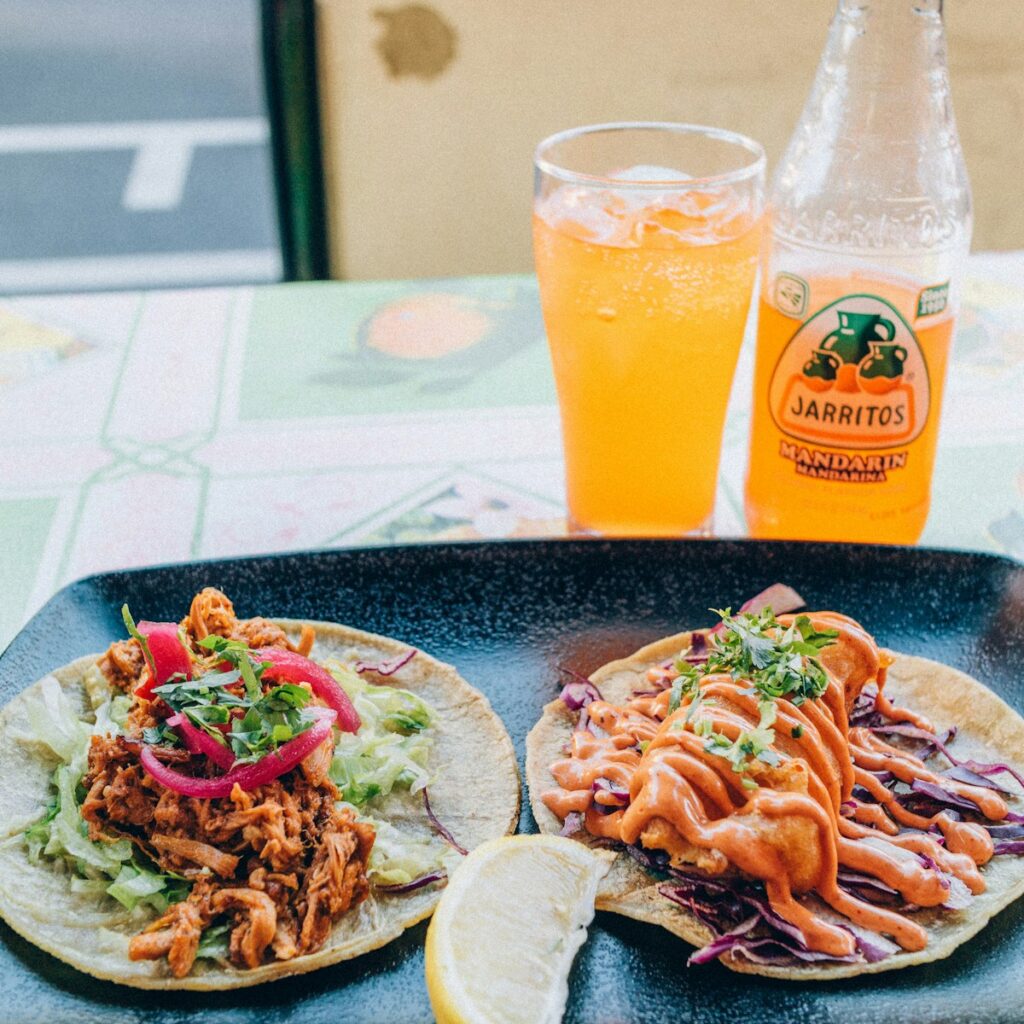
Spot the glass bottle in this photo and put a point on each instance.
(860, 284)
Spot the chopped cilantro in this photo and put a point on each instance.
(797, 732)
(133, 631)
(751, 743)
(777, 662)
(161, 733)
(685, 684)
(259, 722)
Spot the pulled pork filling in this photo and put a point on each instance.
(278, 864)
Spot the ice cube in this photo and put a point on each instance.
(649, 172)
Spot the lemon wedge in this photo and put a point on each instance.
(504, 935)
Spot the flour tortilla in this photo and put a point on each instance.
(474, 793)
(988, 730)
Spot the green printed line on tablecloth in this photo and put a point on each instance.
(24, 528)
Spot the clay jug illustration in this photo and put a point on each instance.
(882, 369)
(851, 342)
(819, 372)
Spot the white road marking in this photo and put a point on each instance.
(61, 138)
(163, 149)
(140, 270)
(156, 180)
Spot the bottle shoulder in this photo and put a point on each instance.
(872, 195)
(875, 161)
(882, 229)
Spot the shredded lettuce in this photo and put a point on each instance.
(135, 885)
(398, 858)
(55, 722)
(393, 743)
(114, 868)
(213, 944)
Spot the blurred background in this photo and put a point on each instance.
(172, 142)
(134, 145)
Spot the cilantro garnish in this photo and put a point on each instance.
(133, 631)
(777, 662)
(751, 743)
(162, 733)
(259, 722)
(685, 684)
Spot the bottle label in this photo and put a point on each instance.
(852, 376)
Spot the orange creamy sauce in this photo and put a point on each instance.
(788, 832)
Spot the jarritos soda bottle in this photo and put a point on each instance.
(860, 278)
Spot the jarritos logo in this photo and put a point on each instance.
(853, 376)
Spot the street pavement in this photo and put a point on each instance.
(133, 145)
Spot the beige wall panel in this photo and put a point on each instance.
(431, 111)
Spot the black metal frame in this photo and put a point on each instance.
(290, 78)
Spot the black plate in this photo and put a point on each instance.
(507, 615)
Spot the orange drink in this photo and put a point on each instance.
(645, 284)
(846, 409)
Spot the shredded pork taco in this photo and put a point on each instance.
(787, 796)
(221, 801)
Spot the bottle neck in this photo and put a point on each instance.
(893, 8)
(875, 161)
(902, 42)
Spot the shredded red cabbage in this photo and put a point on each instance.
(928, 799)
(931, 865)
(573, 823)
(930, 741)
(620, 795)
(655, 861)
(578, 694)
(1004, 832)
(417, 883)
(960, 773)
(870, 889)
(980, 768)
(698, 652)
(441, 830)
(387, 668)
(977, 768)
(743, 923)
(864, 713)
(779, 597)
(942, 796)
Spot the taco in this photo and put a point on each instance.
(225, 801)
(787, 796)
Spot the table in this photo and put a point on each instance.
(150, 427)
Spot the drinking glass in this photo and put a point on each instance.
(646, 239)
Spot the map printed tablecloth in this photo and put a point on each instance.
(150, 427)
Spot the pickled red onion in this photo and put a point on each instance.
(248, 776)
(201, 742)
(289, 667)
(168, 653)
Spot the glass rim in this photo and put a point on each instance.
(743, 173)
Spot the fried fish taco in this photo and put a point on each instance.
(789, 797)
(225, 801)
